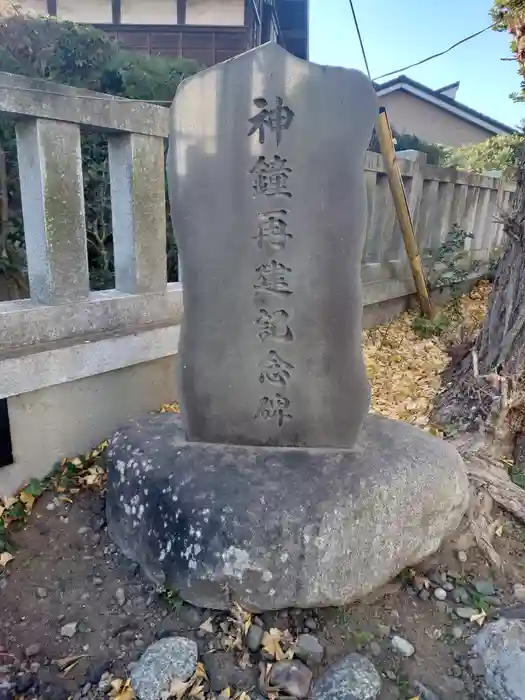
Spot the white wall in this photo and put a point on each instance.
(88, 11)
(150, 12)
(225, 12)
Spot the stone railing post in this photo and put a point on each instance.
(139, 212)
(51, 184)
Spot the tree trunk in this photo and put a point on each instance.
(481, 388)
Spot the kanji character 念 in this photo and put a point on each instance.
(276, 370)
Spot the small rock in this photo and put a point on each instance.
(462, 556)
(23, 683)
(254, 638)
(104, 686)
(34, 667)
(174, 657)
(311, 624)
(41, 593)
(353, 678)
(461, 595)
(291, 677)
(452, 687)
(97, 670)
(402, 646)
(457, 632)
(424, 594)
(442, 606)
(97, 581)
(83, 530)
(69, 630)
(54, 692)
(120, 596)
(455, 671)
(383, 630)
(465, 613)
(519, 592)
(390, 675)
(7, 691)
(33, 650)
(308, 649)
(440, 594)
(424, 692)
(484, 587)
(86, 688)
(375, 649)
(477, 667)
(448, 586)
(223, 672)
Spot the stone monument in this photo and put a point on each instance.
(275, 488)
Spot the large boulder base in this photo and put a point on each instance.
(277, 527)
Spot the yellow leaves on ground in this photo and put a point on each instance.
(121, 690)
(170, 408)
(404, 369)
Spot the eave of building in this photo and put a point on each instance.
(404, 84)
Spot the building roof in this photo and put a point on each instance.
(437, 97)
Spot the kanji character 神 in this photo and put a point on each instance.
(277, 120)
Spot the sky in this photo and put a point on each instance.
(397, 33)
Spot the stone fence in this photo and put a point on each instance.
(74, 363)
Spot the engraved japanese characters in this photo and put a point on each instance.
(268, 202)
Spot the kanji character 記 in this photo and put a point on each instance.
(273, 228)
(272, 278)
(274, 324)
(276, 120)
(271, 176)
(274, 408)
(276, 370)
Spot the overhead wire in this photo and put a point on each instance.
(360, 38)
(437, 55)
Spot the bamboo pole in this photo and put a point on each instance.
(397, 188)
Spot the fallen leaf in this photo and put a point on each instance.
(244, 661)
(271, 644)
(178, 688)
(62, 664)
(126, 692)
(197, 692)
(207, 626)
(498, 530)
(28, 500)
(479, 617)
(200, 672)
(9, 502)
(5, 558)
(117, 684)
(225, 694)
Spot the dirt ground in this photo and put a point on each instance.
(67, 571)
